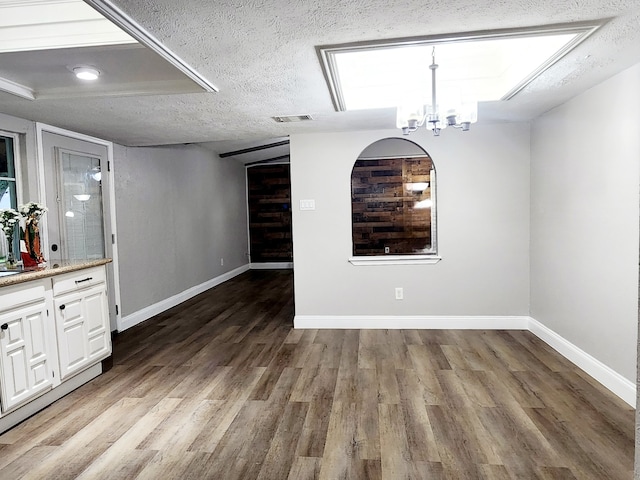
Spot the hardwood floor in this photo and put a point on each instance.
(223, 388)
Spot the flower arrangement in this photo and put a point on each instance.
(32, 212)
(9, 218)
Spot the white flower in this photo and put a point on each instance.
(32, 210)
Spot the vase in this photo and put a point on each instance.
(11, 261)
(4, 249)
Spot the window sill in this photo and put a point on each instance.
(396, 260)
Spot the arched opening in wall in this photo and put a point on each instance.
(393, 202)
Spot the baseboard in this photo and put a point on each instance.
(271, 265)
(616, 383)
(612, 380)
(428, 322)
(157, 308)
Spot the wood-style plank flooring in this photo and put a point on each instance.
(222, 387)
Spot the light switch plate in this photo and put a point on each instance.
(308, 204)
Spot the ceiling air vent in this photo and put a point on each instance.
(292, 118)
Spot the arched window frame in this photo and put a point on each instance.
(429, 257)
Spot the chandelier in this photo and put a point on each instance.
(457, 114)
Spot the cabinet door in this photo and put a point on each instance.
(98, 332)
(82, 327)
(24, 354)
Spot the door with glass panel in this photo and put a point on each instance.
(80, 226)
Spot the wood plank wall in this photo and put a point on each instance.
(383, 207)
(270, 213)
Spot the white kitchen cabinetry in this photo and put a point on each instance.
(25, 339)
(82, 320)
(54, 331)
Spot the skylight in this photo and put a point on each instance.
(478, 67)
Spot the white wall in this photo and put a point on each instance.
(584, 221)
(483, 227)
(180, 210)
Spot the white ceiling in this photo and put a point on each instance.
(261, 54)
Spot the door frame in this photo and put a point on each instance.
(41, 128)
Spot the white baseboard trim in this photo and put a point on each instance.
(271, 265)
(157, 308)
(616, 383)
(427, 322)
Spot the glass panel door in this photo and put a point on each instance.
(80, 200)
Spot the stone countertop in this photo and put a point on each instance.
(28, 274)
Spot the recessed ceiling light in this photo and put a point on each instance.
(86, 73)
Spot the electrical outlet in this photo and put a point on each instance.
(386, 249)
(222, 261)
(399, 293)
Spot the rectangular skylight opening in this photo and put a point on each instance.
(484, 66)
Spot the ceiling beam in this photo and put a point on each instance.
(254, 149)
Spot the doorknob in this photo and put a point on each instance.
(4, 326)
(62, 307)
(54, 247)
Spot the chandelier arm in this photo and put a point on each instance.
(433, 68)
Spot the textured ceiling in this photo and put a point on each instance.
(261, 54)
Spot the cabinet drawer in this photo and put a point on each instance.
(23, 294)
(70, 282)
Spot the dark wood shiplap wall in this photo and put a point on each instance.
(270, 213)
(383, 206)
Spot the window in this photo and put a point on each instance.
(8, 177)
(393, 204)
(8, 196)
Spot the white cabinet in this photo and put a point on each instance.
(54, 331)
(25, 338)
(82, 320)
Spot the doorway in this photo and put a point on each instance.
(269, 200)
(77, 189)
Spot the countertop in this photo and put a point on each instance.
(28, 274)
